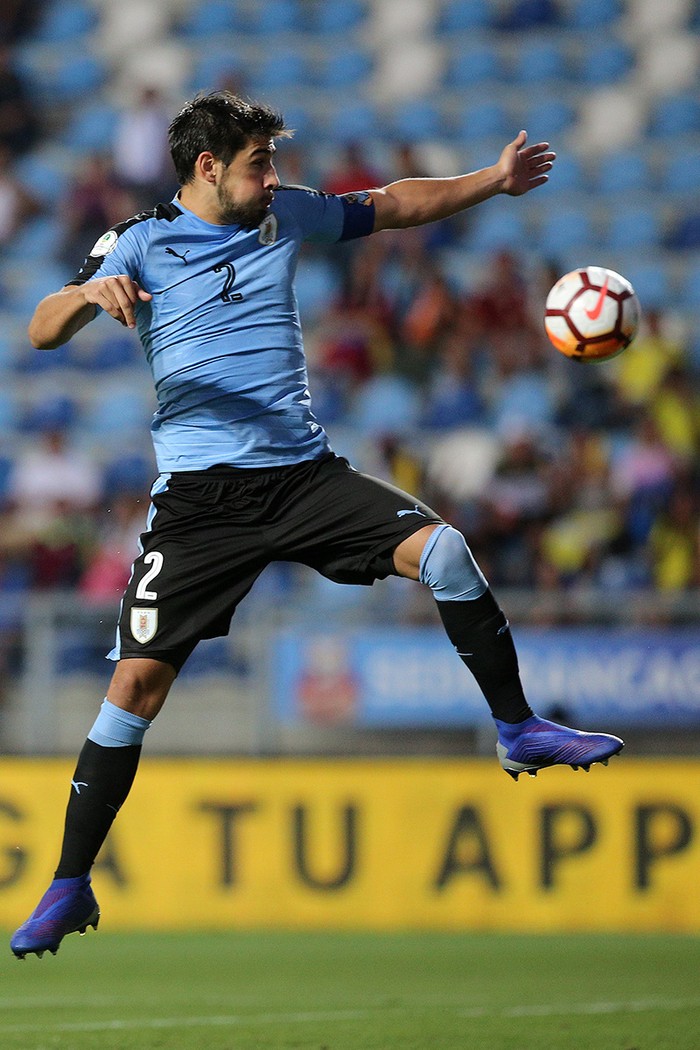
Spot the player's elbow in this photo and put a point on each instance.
(40, 338)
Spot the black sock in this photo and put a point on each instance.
(480, 633)
(101, 782)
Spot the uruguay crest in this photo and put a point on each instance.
(144, 624)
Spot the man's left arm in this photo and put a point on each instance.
(413, 202)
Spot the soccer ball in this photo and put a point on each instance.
(591, 314)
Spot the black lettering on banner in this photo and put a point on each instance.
(227, 295)
(346, 862)
(15, 855)
(650, 822)
(227, 815)
(468, 850)
(559, 844)
(109, 863)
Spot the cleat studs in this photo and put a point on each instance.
(53, 951)
(532, 772)
(575, 768)
(40, 955)
(586, 769)
(605, 761)
(512, 773)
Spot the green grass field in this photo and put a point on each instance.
(326, 991)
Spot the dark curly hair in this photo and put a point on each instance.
(221, 123)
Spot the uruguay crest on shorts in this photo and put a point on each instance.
(144, 624)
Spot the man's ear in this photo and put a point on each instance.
(206, 167)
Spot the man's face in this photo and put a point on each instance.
(245, 188)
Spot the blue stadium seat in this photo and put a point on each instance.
(495, 226)
(650, 281)
(116, 411)
(538, 61)
(386, 404)
(276, 16)
(9, 412)
(418, 120)
(545, 118)
(632, 227)
(354, 122)
(487, 119)
(568, 175)
(529, 14)
(65, 21)
(344, 67)
(565, 229)
(476, 64)
(216, 67)
(591, 14)
(681, 172)
(675, 115)
(281, 69)
(57, 412)
(132, 472)
(77, 78)
(337, 16)
(625, 171)
(605, 62)
(461, 15)
(689, 290)
(212, 18)
(91, 129)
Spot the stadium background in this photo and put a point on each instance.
(577, 487)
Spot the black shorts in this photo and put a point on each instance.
(212, 532)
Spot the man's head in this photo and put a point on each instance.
(229, 143)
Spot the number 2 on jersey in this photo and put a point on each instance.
(227, 295)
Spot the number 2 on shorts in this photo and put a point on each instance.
(155, 559)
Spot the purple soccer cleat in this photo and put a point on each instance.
(526, 747)
(68, 906)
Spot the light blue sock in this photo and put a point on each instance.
(115, 727)
(448, 567)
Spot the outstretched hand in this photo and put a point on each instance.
(524, 167)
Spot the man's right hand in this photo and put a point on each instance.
(117, 296)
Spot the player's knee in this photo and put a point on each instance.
(448, 567)
(141, 686)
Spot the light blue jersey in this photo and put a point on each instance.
(222, 333)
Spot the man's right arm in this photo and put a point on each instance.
(59, 316)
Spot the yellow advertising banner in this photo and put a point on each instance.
(367, 843)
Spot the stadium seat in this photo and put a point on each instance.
(281, 69)
(487, 119)
(538, 61)
(345, 67)
(133, 472)
(212, 18)
(568, 175)
(418, 120)
(353, 122)
(386, 404)
(681, 172)
(276, 16)
(625, 171)
(337, 16)
(77, 78)
(529, 14)
(633, 227)
(689, 290)
(495, 226)
(9, 412)
(604, 62)
(650, 281)
(65, 21)
(591, 14)
(675, 115)
(544, 119)
(116, 411)
(473, 66)
(565, 229)
(461, 15)
(91, 129)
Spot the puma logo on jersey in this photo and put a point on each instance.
(403, 513)
(171, 251)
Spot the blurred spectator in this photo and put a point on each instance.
(452, 396)
(19, 124)
(674, 543)
(640, 370)
(93, 203)
(18, 18)
(676, 410)
(141, 156)
(110, 563)
(16, 204)
(352, 172)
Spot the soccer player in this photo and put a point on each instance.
(246, 473)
